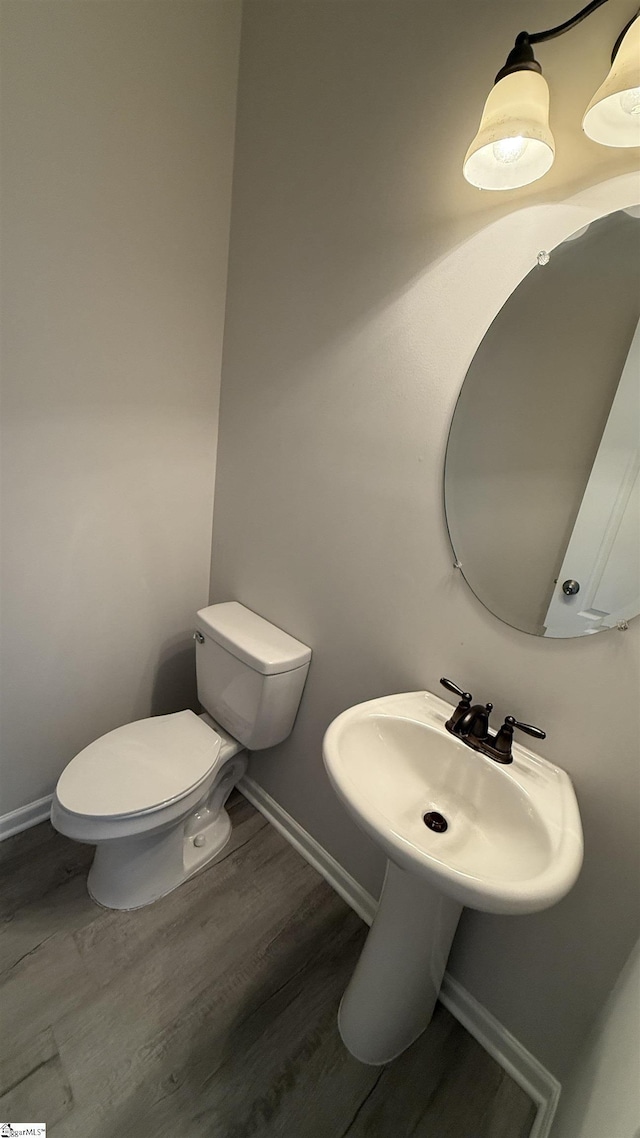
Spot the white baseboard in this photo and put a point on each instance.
(24, 817)
(512, 1056)
(343, 883)
(541, 1086)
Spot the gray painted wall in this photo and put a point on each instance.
(353, 312)
(117, 130)
(603, 1088)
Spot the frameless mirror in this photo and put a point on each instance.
(542, 484)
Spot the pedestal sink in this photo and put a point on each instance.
(512, 844)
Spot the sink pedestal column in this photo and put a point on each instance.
(392, 993)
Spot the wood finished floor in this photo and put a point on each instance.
(212, 1012)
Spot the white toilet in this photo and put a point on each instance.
(151, 795)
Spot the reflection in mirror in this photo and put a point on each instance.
(542, 482)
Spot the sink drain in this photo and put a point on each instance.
(435, 821)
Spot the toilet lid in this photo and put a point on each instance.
(140, 766)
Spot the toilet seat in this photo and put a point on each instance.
(140, 767)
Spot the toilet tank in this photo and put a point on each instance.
(250, 674)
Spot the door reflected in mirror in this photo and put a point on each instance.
(542, 472)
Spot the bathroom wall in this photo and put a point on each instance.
(363, 274)
(603, 1088)
(118, 125)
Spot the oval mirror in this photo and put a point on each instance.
(542, 485)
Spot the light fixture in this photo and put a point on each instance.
(514, 144)
(613, 115)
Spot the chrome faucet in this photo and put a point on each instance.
(470, 724)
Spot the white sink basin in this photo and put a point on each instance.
(513, 844)
(514, 838)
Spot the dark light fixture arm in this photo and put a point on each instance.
(560, 29)
(521, 57)
(524, 40)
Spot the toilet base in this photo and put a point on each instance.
(134, 870)
(129, 873)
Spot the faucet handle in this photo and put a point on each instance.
(463, 706)
(537, 732)
(501, 745)
(450, 686)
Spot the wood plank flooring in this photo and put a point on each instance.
(212, 1013)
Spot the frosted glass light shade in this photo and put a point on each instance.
(613, 115)
(514, 145)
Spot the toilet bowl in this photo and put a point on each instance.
(151, 795)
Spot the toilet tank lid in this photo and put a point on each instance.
(252, 639)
